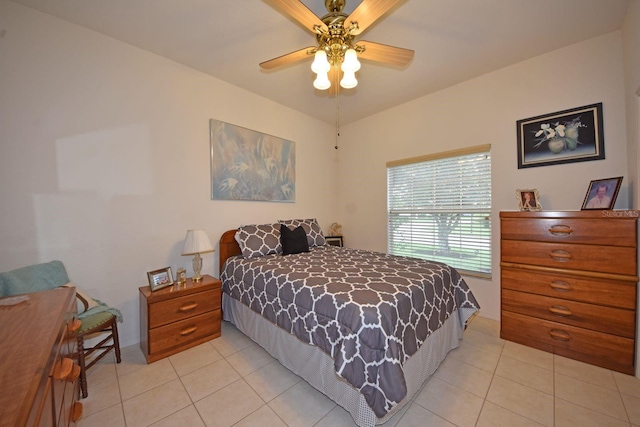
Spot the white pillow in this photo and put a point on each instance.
(90, 301)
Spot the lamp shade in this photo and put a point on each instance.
(322, 81)
(351, 62)
(196, 242)
(320, 63)
(349, 80)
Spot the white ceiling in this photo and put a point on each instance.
(454, 40)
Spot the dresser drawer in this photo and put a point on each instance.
(605, 259)
(180, 334)
(608, 351)
(176, 309)
(611, 293)
(610, 232)
(588, 316)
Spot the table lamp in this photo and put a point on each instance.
(195, 243)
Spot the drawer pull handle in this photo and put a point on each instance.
(560, 255)
(63, 368)
(560, 230)
(188, 331)
(75, 373)
(74, 325)
(559, 335)
(559, 286)
(76, 411)
(560, 310)
(188, 307)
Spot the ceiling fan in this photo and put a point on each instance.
(336, 49)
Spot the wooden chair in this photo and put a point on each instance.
(103, 322)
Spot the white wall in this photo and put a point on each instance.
(104, 160)
(631, 44)
(484, 111)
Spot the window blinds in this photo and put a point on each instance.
(439, 209)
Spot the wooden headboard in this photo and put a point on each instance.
(228, 247)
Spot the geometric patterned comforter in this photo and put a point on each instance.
(369, 311)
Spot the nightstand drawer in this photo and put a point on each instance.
(609, 320)
(173, 310)
(180, 334)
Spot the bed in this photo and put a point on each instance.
(365, 328)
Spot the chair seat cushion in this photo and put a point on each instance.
(95, 320)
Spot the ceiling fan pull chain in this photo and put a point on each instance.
(337, 89)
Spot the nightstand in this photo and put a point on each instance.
(179, 317)
(334, 240)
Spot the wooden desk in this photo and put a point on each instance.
(39, 367)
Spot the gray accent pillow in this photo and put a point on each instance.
(311, 228)
(259, 240)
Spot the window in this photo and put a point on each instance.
(439, 208)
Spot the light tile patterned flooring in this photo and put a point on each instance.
(231, 381)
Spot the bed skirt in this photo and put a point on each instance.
(316, 367)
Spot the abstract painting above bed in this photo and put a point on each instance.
(369, 311)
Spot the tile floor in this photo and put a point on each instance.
(231, 381)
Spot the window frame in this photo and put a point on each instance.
(470, 213)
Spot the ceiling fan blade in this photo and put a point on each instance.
(367, 13)
(298, 55)
(384, 53)
(300, 13)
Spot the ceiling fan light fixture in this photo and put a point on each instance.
(322, 81)
(320, 63)
(351, 62)
(349, 80)
(335, 35)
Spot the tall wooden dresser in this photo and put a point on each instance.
(568, 284)
(39, 362)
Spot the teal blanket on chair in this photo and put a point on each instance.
(42, 277)
(33, 278)
(100, 308)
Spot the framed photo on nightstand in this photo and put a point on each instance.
(159, 279)
(334, 240)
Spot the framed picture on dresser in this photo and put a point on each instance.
(602, 194)
(528, 200)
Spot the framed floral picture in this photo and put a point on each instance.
(250, 165)
(602, 194)
(528, 200)
(567, 136)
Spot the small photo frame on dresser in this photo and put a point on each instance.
(528, 200)
(159, 279)
(602, 194)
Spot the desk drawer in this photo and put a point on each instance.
(177, 309)
(604, 259)
(180, 334)
(588, 316)
(608, 351)
(610, 232)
